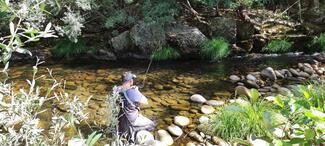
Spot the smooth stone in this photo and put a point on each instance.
(234, 78)
(190, 144)
(181, 121)
(206, 109)
(144, 137)
(198, 98)
(278, 74)
(215, 102)
(284, 91)
(304, 74)
(242, 91)
(208, 143)
(196, 136)
(278, 132)
(175, 130)
(259, 142)
(155, 143)
(164, 137)
(204, 119)
(251, 77)
(270, 98)
(218, 141)
(251, 84)
(294, 72)
(76, 142)
(268, 73)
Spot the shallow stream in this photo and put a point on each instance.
(168, 86)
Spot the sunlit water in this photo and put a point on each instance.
(168, 85)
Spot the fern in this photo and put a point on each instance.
(159, 12)
(320, 41)
(66, 48)
(165, 54)
(215, 49)
(118, 18)
(277, 46)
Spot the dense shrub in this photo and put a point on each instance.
(166, 53)
(66, 48)
(215, 49)
(277, 46)
(320, 41)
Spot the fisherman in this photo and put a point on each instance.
(131, 121)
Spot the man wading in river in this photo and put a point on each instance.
(131, 121)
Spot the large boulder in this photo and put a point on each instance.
(268, 73)
(188, 39)
(147, 38)
(122, 43)
(224, 27)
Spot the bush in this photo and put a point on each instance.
(277, 46)
(239, 120)
(320, 41)
(66, 48)
(165, 54)
(215, 49)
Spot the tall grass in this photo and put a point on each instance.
(238, 120)
(215, 49)
(166, 53)
(277, 46)
(320, 41)
(66, 48)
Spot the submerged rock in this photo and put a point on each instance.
(181, 120)
(206, 109)
(164, 137)
(268, 73)
(198, 98)
(175, 130)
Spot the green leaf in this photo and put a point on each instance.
(315, 115)
(95, 139)
(23, 51)
(279, 101)
(3, 46)
(254, 95)
(306, 94)
(309, 134)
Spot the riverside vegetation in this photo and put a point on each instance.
(288, 119)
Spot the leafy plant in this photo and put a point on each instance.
(165, 54)
(66, 48)
(215, 49)
(319, 41)
(277, 46)
(93, 138)
(306, 115)
(239, 120)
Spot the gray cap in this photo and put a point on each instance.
(127, 76)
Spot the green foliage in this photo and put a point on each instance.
(66, 48)
(238, 120)
(159, 12)
(305, 113)
(93, 138)
(165, 54)
(215, 49)
(277, 46)
(119, 18)
(320, 41)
